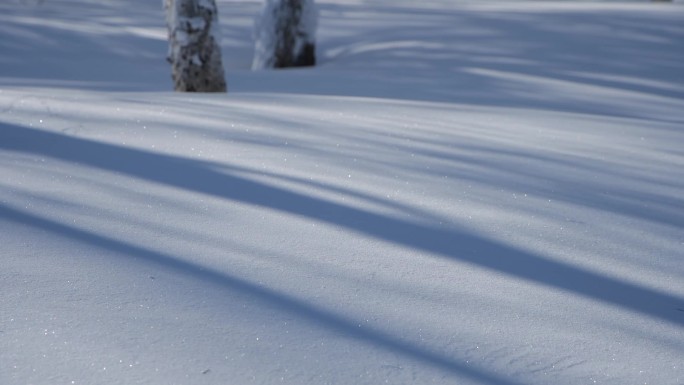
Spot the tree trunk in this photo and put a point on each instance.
(194, 53)
(285, 34)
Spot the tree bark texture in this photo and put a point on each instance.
(194, 52)
(286, 34)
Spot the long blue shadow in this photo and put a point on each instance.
(272, 298)
(458, 245)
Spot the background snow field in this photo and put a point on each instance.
(460, 193)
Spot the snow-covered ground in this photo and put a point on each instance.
(462, 192)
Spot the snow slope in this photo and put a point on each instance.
(461, 193)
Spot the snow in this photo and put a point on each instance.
(460, 193)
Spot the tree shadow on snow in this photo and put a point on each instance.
(272, 298)
(460, 245)
(604, 62)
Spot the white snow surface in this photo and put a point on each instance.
(460, 193)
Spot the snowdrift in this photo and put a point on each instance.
(459, 193)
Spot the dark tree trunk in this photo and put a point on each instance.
(286, 34)
(194, 52)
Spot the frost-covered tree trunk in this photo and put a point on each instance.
(286, 34)
(194, 53)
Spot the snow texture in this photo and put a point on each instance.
(460, 193)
